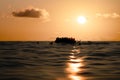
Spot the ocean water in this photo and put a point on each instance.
(42, 61)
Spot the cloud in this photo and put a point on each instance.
(108, 15)
(32, 13)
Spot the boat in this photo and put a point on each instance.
(65, 40)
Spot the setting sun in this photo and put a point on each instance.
(43, 20)
(81, 20)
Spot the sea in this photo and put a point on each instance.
(40, 60)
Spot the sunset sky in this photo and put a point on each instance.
(44, 20)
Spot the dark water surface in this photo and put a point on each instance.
(41, 61)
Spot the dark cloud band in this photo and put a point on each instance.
(32, 13)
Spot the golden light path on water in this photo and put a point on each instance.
(74, 64)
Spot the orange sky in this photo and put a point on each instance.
(44, 20)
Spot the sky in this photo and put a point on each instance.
(44, 20)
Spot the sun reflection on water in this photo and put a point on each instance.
(73, 66)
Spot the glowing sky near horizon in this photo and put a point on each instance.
(40, 20)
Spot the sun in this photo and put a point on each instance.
(81, 19)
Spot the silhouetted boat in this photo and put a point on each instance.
(65, 40)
